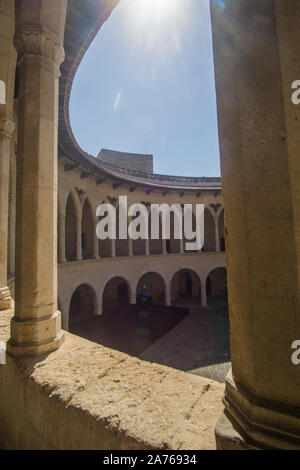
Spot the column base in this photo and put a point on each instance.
(250, 422)
(228, 437)
(6, 302)
(35, 337)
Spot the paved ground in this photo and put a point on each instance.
(131, 329)
(199, 344)
(194, 340)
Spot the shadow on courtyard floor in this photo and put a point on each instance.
(199, 344)
(131, 329)
(186, 336)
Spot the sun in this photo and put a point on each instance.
(158, 11)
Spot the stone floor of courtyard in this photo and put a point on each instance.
(131, 328)
(186, 336)
(87, 396)
(199, 343)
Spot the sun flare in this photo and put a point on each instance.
(157, 11)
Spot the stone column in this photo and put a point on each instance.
(6, 129)
(62, 238)
(99, 307)
(96, 247)
(7, 75)
(113, 248)
(36, 327)
(130, 249)
(78, 238)
(217, 234)
(203, 293)
(147, 247)
(168, 297)
(181, 246)
(256, 53)
(132, 298)
(12, 213)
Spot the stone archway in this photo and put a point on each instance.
(221, 231)
(87, 231)
(151, 289)
(116, 294)
(216, 286)
(70, 229)
(185, 284)
(82, 305)
(209, 232)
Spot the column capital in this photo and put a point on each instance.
(7, 127)
(37, 41)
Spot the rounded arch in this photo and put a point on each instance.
(221, 230)
(185, 283)
(82, 304)
(209, 231)
(216, 284)
(88, 230)
(155, 245)
(121, 244)
(116, 293)
(71, 227)
(151, 288)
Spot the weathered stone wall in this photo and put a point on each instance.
(85, 396)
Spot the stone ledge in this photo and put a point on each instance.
(85, 396)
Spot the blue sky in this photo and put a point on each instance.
(146, 85)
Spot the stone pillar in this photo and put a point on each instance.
(217, 234)
(99, 310)
(78, 238)
(7, 75)
(132, 298)
(62, 239)
(256, 53)
(168, 297)
(203, 293)
(130, 249)
(96, 247)
(181, 246)
(147, 247)
(6, 129)
(36, 327)
(12, 214)
(113, 248)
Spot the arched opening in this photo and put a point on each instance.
(82, 305)
(121, 245)
(209, 232)
(155, 245)
(221, 231)
(173, 244)
(87, 231)
(70, 229)
(185, 240)
(216, 286)
(151, 289)
(115, 294)
(105, 246)
(139, 245)
(185, 285)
